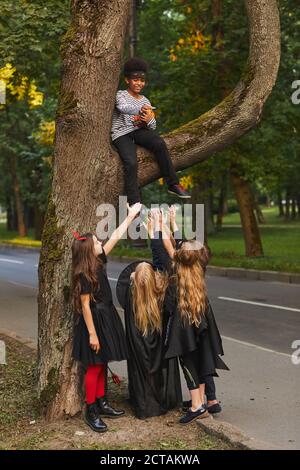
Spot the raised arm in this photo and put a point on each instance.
(166, 237)
(118, 233)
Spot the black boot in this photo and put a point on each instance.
(92, 418)
(104, 409)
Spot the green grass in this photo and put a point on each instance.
(281, 244)
(280, 239)
(271, 216)
(12, 237)
(23, 428)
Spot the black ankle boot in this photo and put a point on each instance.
(104, 409)
(92, 418)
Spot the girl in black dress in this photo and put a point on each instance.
(153, 383)
(98, 336)
(191, 332)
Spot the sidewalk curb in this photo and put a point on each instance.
(29, 342)
(232, 273)
(232, 435)
(35, 249)
(212, 426)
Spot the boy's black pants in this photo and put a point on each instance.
(149, 139)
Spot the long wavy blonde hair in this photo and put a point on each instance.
(189, 264)
(148, 294)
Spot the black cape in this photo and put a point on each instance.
(153, 382)
(180, 339)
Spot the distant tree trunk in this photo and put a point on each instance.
(92, 53)
(280, 205)
(259, 215)
(18, 199)
(222, 207)
(253, 245)
(287, 204)
(208, 207)
(294, 209)
(11, 223)
(298, 205)
(132, 30)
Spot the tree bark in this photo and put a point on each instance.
(253, 245)
(88, 172)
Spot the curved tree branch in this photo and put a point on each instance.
(240, 111)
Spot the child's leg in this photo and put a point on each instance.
(152, 141)
(127, 151)
(100, 388)
(196, 389)
(91, 380)
(210, 389)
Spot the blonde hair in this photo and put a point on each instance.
(148, 294)
(189, 263)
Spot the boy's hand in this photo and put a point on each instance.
(146, 113)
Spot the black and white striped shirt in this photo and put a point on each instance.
(126, 108)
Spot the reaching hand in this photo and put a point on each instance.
(150, 224)
(172, 215)
(134, 209)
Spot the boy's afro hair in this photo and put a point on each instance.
(135, 65)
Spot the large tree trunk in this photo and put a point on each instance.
(87, 172)
(244, 198)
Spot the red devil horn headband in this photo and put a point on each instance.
(77, 236)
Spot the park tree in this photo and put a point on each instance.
(87, 171)
(29, 69)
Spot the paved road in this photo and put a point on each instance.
(258, 320)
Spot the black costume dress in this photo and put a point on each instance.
(153, 382)
(107, 323)
(182, 338)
